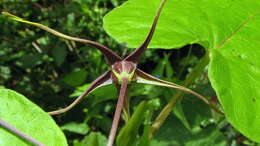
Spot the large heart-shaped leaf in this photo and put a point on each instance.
(228, 29)
(28, 118)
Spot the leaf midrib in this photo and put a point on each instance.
(240, 26)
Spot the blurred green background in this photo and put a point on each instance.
(51, 72)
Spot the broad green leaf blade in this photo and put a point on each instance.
(208, 22)
(228, 29)
(237, 84)
(27, 117)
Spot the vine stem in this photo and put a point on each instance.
(19, 133)
(198, 69)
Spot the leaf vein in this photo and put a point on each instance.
(250, 17)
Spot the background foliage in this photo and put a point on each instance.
(51, 72)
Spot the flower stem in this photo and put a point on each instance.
(119, 107)
(198, 69)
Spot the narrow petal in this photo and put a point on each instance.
(119, 107)
(134, 56)
(144, 78)
(103, 80)
(109, 54)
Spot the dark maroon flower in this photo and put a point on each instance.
(122, 72)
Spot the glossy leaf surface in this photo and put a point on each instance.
(228, 29)
(27, 117)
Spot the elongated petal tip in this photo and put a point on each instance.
(7, 14)
(12, 16)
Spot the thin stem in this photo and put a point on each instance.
(178, 96)
(119, 107)
(19, 133)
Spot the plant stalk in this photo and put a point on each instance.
(19, 133)
(198, 69)
(117, 115)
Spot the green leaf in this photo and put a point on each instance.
(228, 29)
(93, 139)
(27, 117)
(75, 78)
(30, 60)
(144, 140)
(59, 53)
(178, 111)
(237, 85)
(127, 135)
(79, 128)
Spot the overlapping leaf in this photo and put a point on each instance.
(229, 29)
(28, 118)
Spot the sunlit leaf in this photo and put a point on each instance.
(27, 117)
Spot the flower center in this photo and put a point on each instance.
(123, 69)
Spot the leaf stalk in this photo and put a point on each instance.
(19, 133)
